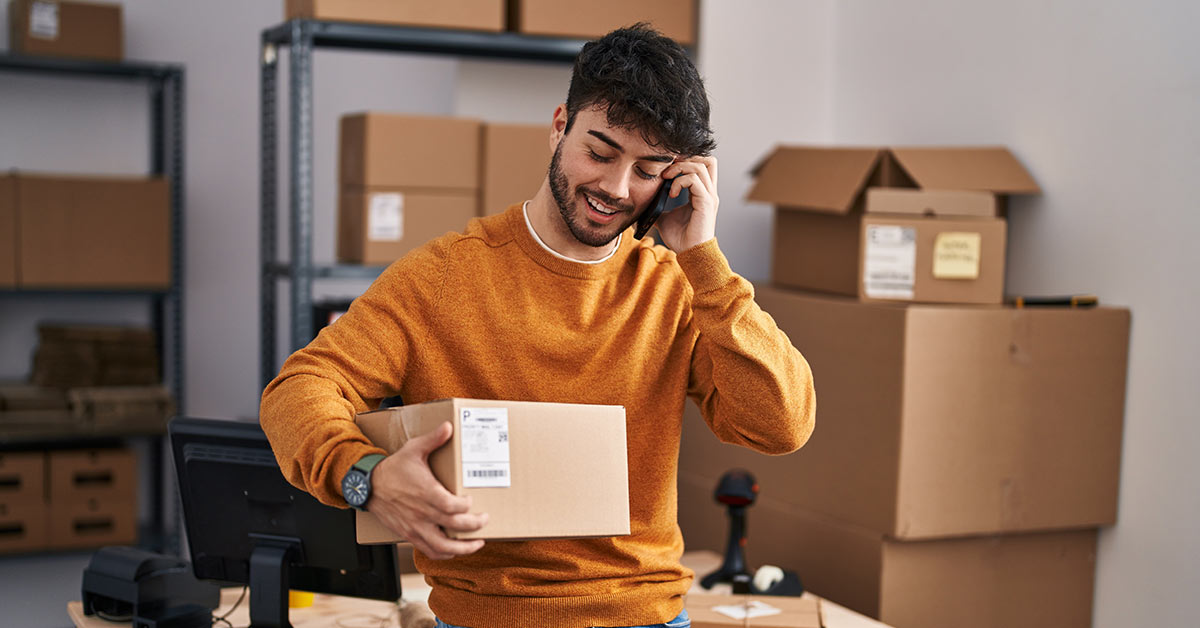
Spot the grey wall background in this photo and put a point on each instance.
(1098, 98)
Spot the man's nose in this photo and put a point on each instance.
(616, 183)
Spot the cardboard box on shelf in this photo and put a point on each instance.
(484, 15)
(380, 149)
(1036, 580)
(109, 475)
(753, 611)
(515, 160)
(23, 525)
(92, 522)
(122, 405)
(404, 180)
(9, 253)
(821, 196)
(22, 477)
(574, 18)
(945, 420)
(523, 463)
(93, 232)
(87, 30)
(377, 225)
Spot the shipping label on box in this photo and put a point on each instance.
(933, 260)
(540, 470)
(724, 611)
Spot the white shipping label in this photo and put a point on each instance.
(385, 217)
(891, 262)
(43, 20)
(753, 608)
(485, 461)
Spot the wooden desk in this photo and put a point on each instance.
(331, 611)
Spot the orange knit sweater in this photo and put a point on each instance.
(491, 314)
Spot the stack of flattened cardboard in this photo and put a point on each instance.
(92, 355)
(404, 180)
(965, 452)
(27, 404)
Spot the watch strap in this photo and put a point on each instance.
(368, 462)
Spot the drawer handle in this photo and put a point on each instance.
(93, 478)
(11, 530)
(93, 526)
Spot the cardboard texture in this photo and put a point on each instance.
(945, 420)
(484, 15)
(122, 405)
(516, 158)
(795, 612)
(108, 475)
(950, 203)
(93, 232)
(985, 286)
(22, 478)
(394, 150)
(568, 470)
(87, 30)
(820, 195)
(94, 355)
(408, 220)
(23, 526)
(92, 522)
(9, 251)
(1035, 580)
(575, 18)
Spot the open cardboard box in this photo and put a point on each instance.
(943, 241)
(540, 470)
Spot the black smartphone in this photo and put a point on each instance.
(661, 204)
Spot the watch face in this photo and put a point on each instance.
(355, 488)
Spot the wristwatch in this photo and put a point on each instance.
(356, 484)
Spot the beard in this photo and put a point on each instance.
(577, 224)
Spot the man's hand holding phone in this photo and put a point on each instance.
(411, 502)
(695, 222)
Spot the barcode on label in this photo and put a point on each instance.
(487, 473)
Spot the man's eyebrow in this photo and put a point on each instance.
(600, 135)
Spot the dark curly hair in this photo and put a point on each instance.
(647, 83)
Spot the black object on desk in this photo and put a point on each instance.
(246, 524)
(736, 489)
(151, 590)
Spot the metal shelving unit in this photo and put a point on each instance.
(166, 83)
(300, 38)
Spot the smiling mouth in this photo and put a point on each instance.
(597, 207)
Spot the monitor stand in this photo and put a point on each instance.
(269, 563)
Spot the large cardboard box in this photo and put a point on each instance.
(93, 232)
(404, 180)
(540, 470)
(8, 231)
(23, 525)
(484, 15)
(92, 522)
(937, 421)
(1033, 580)
(516, 158)
(378, 225)
(821, 239)
(22, 477)
(724, 611)
(61, 28)
(588, 20)
(108, 475)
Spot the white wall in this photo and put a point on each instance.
(1099, 99)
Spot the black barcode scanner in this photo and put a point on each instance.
(661, 204)
(737, 490)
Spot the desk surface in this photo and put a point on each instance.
(330, 611)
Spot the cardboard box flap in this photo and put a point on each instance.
(984, 168)
(814, 178)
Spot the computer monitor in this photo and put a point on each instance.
(246, 524)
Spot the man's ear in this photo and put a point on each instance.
(558, 126)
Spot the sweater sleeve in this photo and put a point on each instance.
(308, 410)
(753, 387)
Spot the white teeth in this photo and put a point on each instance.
(596, 206)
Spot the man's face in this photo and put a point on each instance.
(602, 177)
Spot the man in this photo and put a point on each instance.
(555, 300)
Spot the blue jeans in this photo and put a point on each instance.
(682, 621)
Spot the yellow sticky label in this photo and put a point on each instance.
(956, 255)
